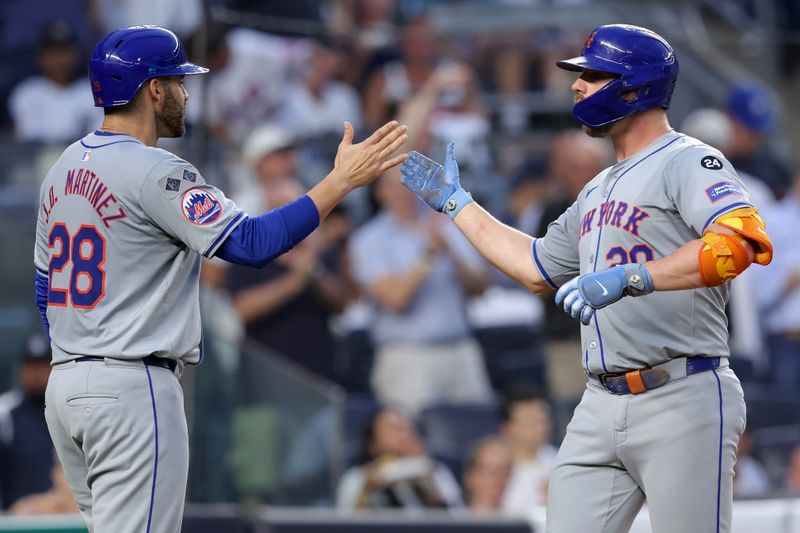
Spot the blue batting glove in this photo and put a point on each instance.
(583, 295)
(436, 185)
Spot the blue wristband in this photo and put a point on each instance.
(457, 201)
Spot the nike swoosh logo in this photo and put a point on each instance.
(605, 291)
(590, 191)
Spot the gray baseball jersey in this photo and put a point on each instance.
(674, 446)
(644, 208)
(120, 232)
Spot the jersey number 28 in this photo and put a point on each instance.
(87, 252)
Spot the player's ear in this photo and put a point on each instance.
(154, 89)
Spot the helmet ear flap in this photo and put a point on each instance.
(126, 58)
(644, 60)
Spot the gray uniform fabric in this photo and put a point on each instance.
(120, 232)
(151, 263)
(120, 432)
(675, 444)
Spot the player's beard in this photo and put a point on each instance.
(596, 132)
(171, 117)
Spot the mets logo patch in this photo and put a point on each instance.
(722, 189)
(200, 207)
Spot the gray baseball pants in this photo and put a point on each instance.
(674, 447)
(120, 431)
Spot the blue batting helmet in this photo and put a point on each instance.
(124, 59)
(642, 61)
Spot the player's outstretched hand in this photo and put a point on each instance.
(359, 164)
(436, 185)
(582, 295)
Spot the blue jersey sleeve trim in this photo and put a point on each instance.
(542, 271)
(42, 287)
(224, 234)
(722, 211)
(258, 240)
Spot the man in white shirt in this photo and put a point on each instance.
(54, 107)
(527, 426)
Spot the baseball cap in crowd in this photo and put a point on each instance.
(709, 125)
(37, 350)
(752, 106)
(533, 169)
(264, 141)
(58, 34)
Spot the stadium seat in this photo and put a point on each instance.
(771, 405)
(562, 414)
(355, 355)
(513, 355)
(358, 411)
(773, 446)
(450, 430)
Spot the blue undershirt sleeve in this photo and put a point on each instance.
(42, 287)
(258, 240)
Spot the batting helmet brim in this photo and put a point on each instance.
(581, 63)
(190, 68)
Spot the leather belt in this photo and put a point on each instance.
(649, 378)
(150, 360)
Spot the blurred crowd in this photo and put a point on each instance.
(459, 383)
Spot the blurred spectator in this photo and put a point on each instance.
(316, 107)
(54, 107)
(753, 117)
(270, 156)
(396, 471)
(486, 475)
(575, 158)
(418, 271)
(792, 480)
(180, 16)
(23, 22)
(530, 191)
(397, 81)
(448, 107)
(318, 104)
(57, 500)
(778, 294)
(750, 477)
(369, 28)
(287, 304)
(249, 80)
(27, 457)
(527, 426)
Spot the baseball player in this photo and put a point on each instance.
(121, 229)
(641, 258)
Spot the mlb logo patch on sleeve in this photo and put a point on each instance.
(722, 189)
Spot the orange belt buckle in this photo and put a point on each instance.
(635, 383)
